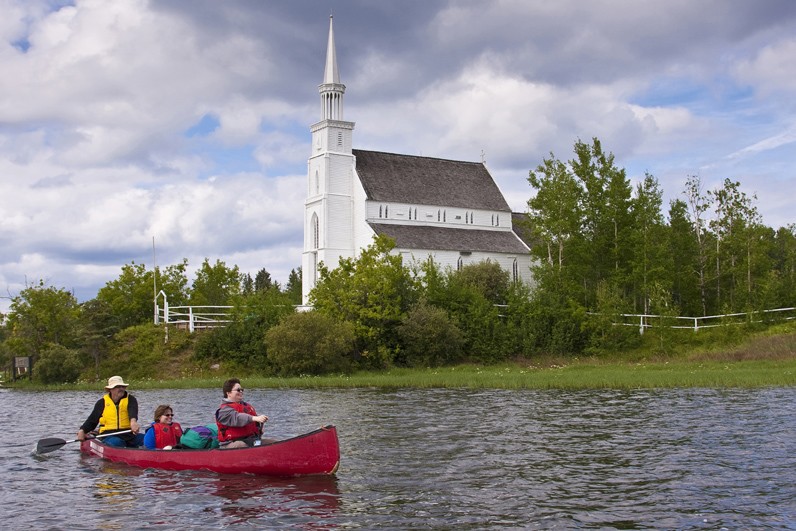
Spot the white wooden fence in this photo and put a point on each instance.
(644, 321)
(191, 318)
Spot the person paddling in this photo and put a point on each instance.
(116, 411)
(239, 425)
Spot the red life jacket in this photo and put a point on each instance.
(233, 433)
(167, 435)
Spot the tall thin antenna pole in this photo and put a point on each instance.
(154, 281)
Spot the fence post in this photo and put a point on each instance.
(190, 319)
(641, 325)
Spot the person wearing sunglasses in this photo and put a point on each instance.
(239, 425)
(116, 411)
(164, 433)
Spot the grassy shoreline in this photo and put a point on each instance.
(766, 360)
(575, 374)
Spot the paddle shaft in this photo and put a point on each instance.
(100, 436)
(52, 444)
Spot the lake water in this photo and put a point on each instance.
(433, 459)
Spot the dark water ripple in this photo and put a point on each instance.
(435, 459)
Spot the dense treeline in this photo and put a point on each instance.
(602, 247)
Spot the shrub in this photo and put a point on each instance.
(57, 364)
(429, 337)
(310, 343)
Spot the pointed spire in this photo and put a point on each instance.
(331, 89)
(331, 74)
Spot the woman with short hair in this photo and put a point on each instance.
(164, 434)
(239, 425)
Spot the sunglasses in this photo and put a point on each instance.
(168, 414)
(238, 389)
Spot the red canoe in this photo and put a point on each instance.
(313, 453)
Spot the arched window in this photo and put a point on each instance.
(380, 212)
(459, 264)
(497, 220)
(515, 271)
(444, 215)
(316, 232)
(438, 215)
(386, 211)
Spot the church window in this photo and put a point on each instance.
(444, 215)
(380, 211)
(340, 138)
(493, 220)
(438, 215)
(315, 232)
(497, 220)
(459, 264)
(515, 271)
(386, 211)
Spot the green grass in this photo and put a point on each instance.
(590, 374)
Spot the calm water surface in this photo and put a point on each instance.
(433, 459)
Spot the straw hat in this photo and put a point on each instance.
(115, 381)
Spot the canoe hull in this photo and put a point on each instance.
(313, 453)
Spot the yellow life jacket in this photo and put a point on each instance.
(114, 416)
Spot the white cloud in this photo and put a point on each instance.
(771, 70)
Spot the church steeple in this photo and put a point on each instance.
(330, 204)
(331, 89)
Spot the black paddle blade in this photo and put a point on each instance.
(51, 444)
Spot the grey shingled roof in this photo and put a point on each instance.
(427, 181)
(450, 239)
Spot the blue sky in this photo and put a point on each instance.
(187, 121)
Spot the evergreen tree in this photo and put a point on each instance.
(293, 286)
(262, 281)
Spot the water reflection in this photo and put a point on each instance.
(237, 499)
(307, 501)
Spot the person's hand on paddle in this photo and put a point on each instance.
(81, 435)
(262, 419)
(134, 427)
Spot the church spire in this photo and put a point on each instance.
(331, 89)
(331, 74)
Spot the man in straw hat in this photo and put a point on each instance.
(116, 411)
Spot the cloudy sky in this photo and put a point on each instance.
(187, 121)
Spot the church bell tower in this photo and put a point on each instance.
(328, 207)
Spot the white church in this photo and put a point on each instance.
(451, 211)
